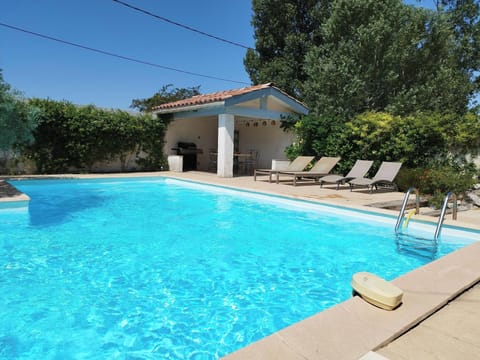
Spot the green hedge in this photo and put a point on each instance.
(416, 140)
(431, 146)
(436, 181)
(70, 136)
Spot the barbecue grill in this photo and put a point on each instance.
(189, 152)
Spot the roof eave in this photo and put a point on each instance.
(189, 108)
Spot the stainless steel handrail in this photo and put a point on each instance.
(442, 213)
(404, 205)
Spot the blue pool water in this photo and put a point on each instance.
(161, 269)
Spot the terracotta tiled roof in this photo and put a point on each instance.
(213, 97)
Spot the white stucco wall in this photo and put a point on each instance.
(266, 137)
(201, 131)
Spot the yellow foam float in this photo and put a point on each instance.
(377, 291)
(407, 219)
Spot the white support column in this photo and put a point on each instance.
(226, 127)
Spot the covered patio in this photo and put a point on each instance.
(224, 126)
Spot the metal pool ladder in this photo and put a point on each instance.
(410, 244)
(417, 207)
(401, 214)
(444, 209)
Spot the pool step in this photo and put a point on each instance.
(416, 246)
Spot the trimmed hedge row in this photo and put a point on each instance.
(75, 137)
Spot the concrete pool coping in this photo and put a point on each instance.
(11, 196)
(353, 328)
(359, 200)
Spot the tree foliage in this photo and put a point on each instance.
(417, 140)
(17, 118)
(386, 56)
(165, 95)
(284, 33)
(349, 56)
(463, 17)
(72, 138)
(383, 80)
(438, 179)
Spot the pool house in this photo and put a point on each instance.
(215, 132)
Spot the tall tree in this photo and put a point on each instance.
(165, 95)
(384, 55)
(349, 56)
(284, 33)
(464, 20)
(357, 56)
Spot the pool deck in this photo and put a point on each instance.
(439, 316)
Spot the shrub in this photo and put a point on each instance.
(437, 180)
(69, 136)
(415, 140)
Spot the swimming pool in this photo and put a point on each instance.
(158, 268)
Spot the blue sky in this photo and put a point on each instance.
(47, 69)
(43, 68)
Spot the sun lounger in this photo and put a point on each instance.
(359, 169)
(298, 164)
(384, 176)
(321, 168)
